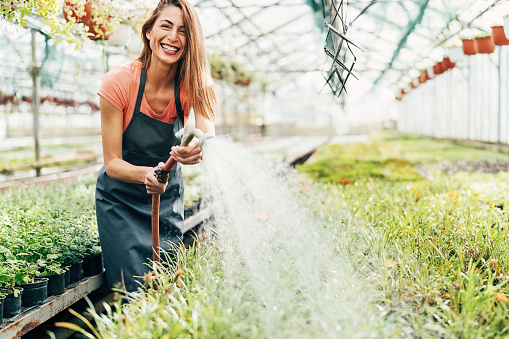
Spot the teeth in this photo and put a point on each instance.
(169, 49)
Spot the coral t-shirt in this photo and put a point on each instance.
(120, 87)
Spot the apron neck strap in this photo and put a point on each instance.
(178, 105)
(141, 89)
(176, 93)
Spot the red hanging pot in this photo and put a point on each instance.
(424, 76)
(484, 45)
(448, 63)
(469, 47)
(499, 37)
(437, 69)
(72, 10)
(99, 31)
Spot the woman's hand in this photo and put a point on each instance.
(187, 155)
(153, 185)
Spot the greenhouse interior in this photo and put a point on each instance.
(254, 169)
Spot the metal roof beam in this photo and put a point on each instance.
(253, 39)
(404, 39)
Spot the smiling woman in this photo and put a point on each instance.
(144, 107)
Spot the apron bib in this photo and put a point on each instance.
(124, 210)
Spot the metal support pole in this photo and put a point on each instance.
(35, 72)
(499, 117)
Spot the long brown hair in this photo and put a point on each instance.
(193, 68)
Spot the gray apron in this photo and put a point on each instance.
(124, 209)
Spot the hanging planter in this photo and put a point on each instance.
(437, 69)
(484, 45)
(499, 37)
(121, 36)
(430, 72)
(77, 10)
(456, 54)
(469, 47)
(100, 29)
(448, 63)
(424, 76)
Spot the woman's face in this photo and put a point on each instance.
(168, 36)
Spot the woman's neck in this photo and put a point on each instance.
(161, 75)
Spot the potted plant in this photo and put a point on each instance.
(121, 36)
(499, 37)
(455, 54)
(423, 77)
(437, 69)
(468, 46)
(35, 290)
(77, 11)
(92, 259)
(52, 270)
(2, 299)
(102, 23)
(484, 43)
(12, 293)
(448, 63)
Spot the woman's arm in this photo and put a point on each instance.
(116, 168)
(191, 154)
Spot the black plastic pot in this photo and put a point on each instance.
(76, 271)
(2, 309)
(93, 265)
(35, 293)
(12, 304)
(67, 275)
(56, 284)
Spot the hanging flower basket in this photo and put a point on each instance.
(77, 10)
(99, 29)
(430, 72)
(456, 54)
(499, 37)
(424, 76)
(484, 45)
(448, 63)
(437, 69)
(506, 26)
(121, 37)
(469, 47)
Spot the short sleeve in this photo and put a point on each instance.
(116, 87)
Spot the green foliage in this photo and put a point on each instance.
(438, 245)
(42, 228)
(186, 301)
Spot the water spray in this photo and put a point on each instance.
(162, 176)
